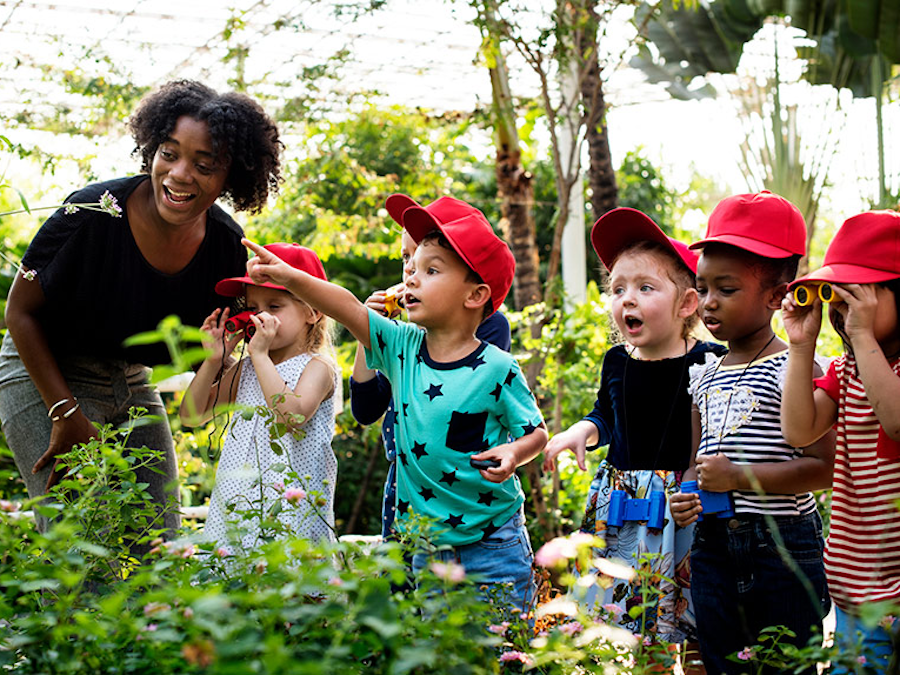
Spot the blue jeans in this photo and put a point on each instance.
(854, 639)
(740, 583)
(502, 561)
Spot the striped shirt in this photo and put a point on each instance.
(862, 555)
(740, 416)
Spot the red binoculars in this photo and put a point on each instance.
(241, 322)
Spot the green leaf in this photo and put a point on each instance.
(148, 338)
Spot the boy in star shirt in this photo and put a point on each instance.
(458, 399)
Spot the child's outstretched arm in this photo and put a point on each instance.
(881, 383)
(206, 388)
(330, 299)
(576, 438)
(512, 455)
(807, 413)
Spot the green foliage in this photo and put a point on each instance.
(641, 187)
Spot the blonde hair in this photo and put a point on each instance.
(320, 336)
(673, 267)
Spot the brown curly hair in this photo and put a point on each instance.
(239, 128)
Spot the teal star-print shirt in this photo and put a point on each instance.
(445, 413)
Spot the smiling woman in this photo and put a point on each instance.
(89, 280)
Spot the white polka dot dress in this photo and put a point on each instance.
(253, 480)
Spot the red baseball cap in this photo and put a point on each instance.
(865, 250)
(297, 256)
(469, 233)
(618, 228)
(762, 223)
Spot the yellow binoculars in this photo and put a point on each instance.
(806, 293)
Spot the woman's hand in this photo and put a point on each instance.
(66, 433)
(685, 508)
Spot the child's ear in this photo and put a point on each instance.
(776, 295)
(314, 316)
(690, 301)
(478, 296)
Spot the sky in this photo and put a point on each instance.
(422, 54)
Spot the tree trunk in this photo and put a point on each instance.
(516, 195)
(601, 174)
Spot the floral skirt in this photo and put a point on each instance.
(661, 558)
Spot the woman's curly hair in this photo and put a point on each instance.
(239, 128)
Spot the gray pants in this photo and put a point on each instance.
(105, 389)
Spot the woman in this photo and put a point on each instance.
(91, 279)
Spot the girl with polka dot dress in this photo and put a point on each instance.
(277, 471)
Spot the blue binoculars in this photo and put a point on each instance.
(718, 504)
(624, 508)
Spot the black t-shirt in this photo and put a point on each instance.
(643, 409)
(100, 289)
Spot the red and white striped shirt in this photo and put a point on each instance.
(862, 556)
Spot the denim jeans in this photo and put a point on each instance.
(741, 584)
(503, 560)
(105, 390)
(855, 640)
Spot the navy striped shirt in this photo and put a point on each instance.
(740, 408)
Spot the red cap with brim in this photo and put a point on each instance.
(471, 236)
(396, 204)
(866, 250)
(621, 227)
(763, 223)
(297, 256)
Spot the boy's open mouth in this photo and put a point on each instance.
(633, 323)
(410, 300)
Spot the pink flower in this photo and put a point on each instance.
(152, 608)
(746, 654)
(521, 657)
(499, 629)
(571, 628)
(557, 551)
(278, 485)
(222, 552)
(861, 660)
(294, 495)
(451, 572)
(8, 507)
(150, 627)
(887, 621)
(335, 581)
(188, 613)
(260, 566)
(613, 609)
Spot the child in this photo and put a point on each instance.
(370, 391)
(860, 394)
(458, 398)
(290, 373)
(654, 306)
(761, 567)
